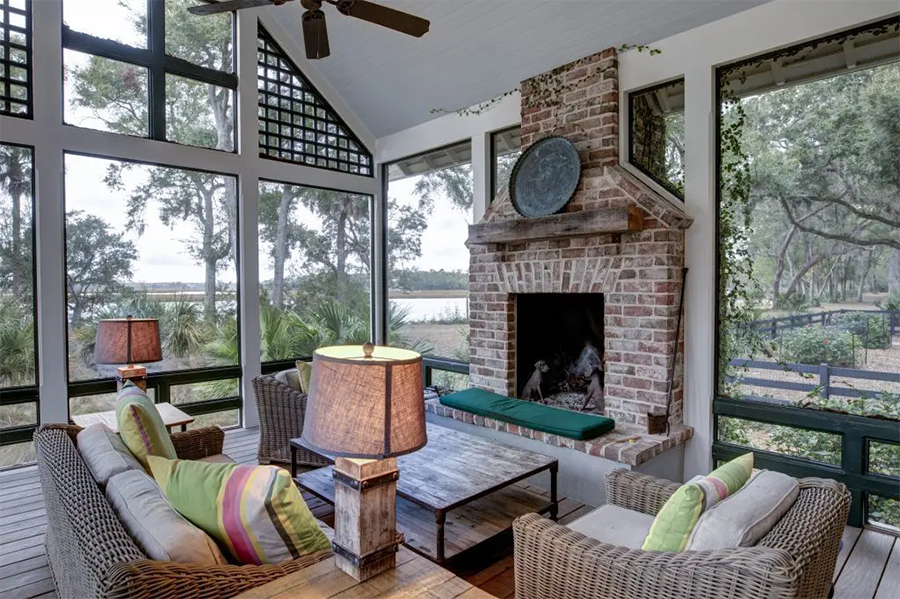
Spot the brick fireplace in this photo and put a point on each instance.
(637, 271)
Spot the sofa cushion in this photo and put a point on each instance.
(564, 423)
(304, 371)
(140, 425)
(255, 512)
(614, 525)
(675, 522)
(748, 515)
(289, 377)
(160, 531)
(104, 453)
(219, 458)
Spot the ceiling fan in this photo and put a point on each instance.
(315, 36)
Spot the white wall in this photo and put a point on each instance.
(694, 55)
(51, 138)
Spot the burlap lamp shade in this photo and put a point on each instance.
(127, 341)
(365, 406)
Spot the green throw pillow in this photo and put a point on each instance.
(140, 425)
(255, 512)
(305, 371)
(672, 527)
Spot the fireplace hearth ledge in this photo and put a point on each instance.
(633, 454)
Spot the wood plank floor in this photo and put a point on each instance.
(868, 566)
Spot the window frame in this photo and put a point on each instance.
(161, 382)
(158, 65)
(273, 366)
(658, 185)
(857, 432)
(23, 394)
(495, 156)
(6, 81)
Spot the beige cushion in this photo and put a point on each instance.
(747, 516)
(160, 532)
(219, 458)
(105, 453)
(614, 525)
(289, 377)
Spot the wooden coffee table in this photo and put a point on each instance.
(171, 416)
(456, 492)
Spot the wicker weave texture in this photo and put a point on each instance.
(91, 554)
(282, 410)
(795, 560)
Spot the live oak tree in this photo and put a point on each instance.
(15, 221)
(97, 260)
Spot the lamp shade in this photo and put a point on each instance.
(127, 341)
(365, 402)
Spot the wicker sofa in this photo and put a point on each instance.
(795, 559)
(281, 412)
(91, 554)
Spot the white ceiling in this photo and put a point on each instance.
(478, 49)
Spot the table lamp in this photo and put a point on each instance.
(365, 407)
(126, 341)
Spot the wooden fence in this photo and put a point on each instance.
(772, 326)
(824, 372)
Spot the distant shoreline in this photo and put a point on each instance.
(428, 294)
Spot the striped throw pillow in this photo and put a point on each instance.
(255, 512)
(140, 425)
(672, 528)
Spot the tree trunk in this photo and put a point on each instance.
(799, 276)
(16, 237)
(867, 266)
(341, 249)
(284, 210)
(209, 255)
(779, 268)
(894, 273)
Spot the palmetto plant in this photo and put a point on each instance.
(16, 345)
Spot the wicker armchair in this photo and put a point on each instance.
(795, 560)
(90, 553)
(281, 413)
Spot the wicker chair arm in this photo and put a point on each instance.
(638, 492)
(149, 579)
(553, 561)
(198, 443)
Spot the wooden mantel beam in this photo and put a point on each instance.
(628, 219)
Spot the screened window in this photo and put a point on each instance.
(149, 68)
(429, 210)
(18, 355)
(314, 269)
(656, 144)
(152, 242)
(15, 57)
(295, 122)
(506, 147)
(809, 263)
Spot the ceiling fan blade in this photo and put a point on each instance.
(384, 16)
(315, 35)
(219, 7)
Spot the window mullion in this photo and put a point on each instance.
(156, 25)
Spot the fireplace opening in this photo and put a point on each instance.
(559, 349)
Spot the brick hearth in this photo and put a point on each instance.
(639, 273)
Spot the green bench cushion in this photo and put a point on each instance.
(529, 414)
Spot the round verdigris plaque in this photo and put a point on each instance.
(545, 177)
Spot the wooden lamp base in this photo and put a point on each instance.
(366, 540)
(135, 373)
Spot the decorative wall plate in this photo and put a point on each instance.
(545, 177)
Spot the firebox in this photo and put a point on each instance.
(559, 335)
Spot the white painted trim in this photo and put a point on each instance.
(448, 129)
(482, 174)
